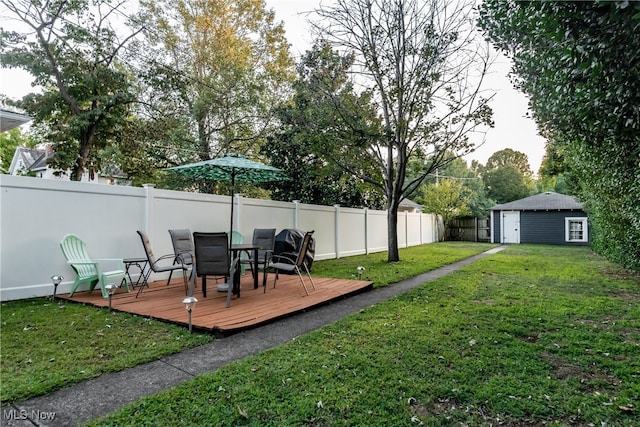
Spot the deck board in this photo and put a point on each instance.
(252, 309)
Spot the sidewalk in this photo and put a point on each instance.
(100, 396)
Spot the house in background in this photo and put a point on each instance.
(408, 205)
(547, 218)
(33, 161)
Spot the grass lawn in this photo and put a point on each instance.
(47, 345)
(534, 335)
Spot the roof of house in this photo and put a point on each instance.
(12, 119)
(548, 201)
(32, 159)
(409, 204)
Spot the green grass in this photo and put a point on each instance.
(46, 346)
(413, 261)
(534, 335)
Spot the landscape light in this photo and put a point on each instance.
(56, 279)
(190, 305)
(111, 289)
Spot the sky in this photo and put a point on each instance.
(512, 128)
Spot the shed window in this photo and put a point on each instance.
(576, 230)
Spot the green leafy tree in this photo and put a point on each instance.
(470, 179)
(555, 173)
(9, 141)
(507, 176)
(579, 64)
(325, 108)
(506, 184)
(421, 64)
(71, 49)
(447, 198)
(510, 157)
(216, 69)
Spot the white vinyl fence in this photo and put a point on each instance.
(35, 214)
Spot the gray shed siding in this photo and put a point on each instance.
(544, 227)
(495, 227)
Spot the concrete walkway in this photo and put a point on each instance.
(100, 396)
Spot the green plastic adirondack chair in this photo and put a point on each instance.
(88, 270)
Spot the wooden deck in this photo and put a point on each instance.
(252, 309)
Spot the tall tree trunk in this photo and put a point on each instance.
(86, 139)
(203, 140)
(393, 255)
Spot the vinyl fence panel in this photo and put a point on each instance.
(35, 214)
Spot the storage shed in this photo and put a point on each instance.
(547, 218)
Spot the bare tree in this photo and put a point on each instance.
(424, 65)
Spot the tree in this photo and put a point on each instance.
(471, 181)
(579, 64)
(509, 157)
(315, 117)
(506, 184)
(447, 198)
(71, 50)
(9, 141)
(507, 176)
(423, 69)
(218, 68)
(555, 173)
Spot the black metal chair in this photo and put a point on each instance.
(212, 258)
(297, 264)
(266, 239)
(154, 264)
(182, 248)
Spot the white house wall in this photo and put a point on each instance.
(35, 214)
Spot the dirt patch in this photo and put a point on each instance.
(602, 324)
(462, 414)
(621, 274)
(563, 370)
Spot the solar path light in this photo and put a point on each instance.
(190, 305)
(56, 279)
(111, 289)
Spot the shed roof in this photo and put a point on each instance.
(548, 201)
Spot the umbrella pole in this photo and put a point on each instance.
(231, 283)
(233, 184)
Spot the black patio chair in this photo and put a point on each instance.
(213, 259)
(289, 265)
(266, 239)
(155, 264)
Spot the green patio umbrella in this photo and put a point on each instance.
(233, 168)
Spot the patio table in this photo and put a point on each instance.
(140, 263)
(235, 249)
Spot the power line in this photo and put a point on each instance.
(452, 177)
